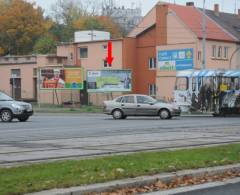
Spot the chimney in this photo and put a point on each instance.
(216, 9)
(190, 4)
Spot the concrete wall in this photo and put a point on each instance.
(146, 48)
(130, 59)
(216, 63)
(67, 50)
(147, 21)
(97, 54)
(26, 79)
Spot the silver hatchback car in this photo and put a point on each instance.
(9, 109)
(140, 105)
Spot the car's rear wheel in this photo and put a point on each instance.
(23, 119)
(117, 114)
(6, 116)
(164, 114)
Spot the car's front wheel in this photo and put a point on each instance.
(6, 116)
(23, 118)
(117, 114)
(164, 114)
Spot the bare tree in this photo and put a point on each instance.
(64, 12)
(108, 7)
(68, 11)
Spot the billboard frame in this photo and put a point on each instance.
(108, 92)
(60, 67)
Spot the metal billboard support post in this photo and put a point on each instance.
(38, 84)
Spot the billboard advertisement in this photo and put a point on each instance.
(109, 81)
(179, 59)
(61, 78)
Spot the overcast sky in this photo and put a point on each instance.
(146, 5)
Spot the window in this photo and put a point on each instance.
(105, 47)
(119, 99)
(106, 65)
(152, 89)
(225, 53)
(145, 100)
(128, 99)
(152, 63)
(83, 52)
(15, 73)
(214, 51)
(4, 97)
(199, 56)
(59, 60)
(182, 84)
(71, 56)
(194, 83)
(219, 52)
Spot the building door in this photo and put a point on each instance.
(84, 94)
(16, 88)
(16, 83)
(35, 87)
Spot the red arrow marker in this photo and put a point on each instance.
(109, 57)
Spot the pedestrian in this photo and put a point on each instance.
(209, 94)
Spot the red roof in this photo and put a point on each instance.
(192, 17)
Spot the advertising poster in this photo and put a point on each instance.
(61, 78)
(109, 81)
(181, 59)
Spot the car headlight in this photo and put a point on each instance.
(16, 106)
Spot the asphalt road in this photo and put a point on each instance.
(228, 189)
(57, 136)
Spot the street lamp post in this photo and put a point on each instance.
(204, 36)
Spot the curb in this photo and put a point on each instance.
(193, 188)
(138, 181)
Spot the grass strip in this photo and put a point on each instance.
(38, 177)
(45, 108)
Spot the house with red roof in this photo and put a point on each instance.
(169, 39)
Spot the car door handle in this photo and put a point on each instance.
(123, 105)
(138, 105)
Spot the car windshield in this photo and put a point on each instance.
(4, 97)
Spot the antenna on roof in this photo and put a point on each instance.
(235, 11)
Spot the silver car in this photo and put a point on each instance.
(140, 105)
(9, 109)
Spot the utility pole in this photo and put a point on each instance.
(204, 36)
(235, 7)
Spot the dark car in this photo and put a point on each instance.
(10, 109)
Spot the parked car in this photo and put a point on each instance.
(140, 105)
(10, 109)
